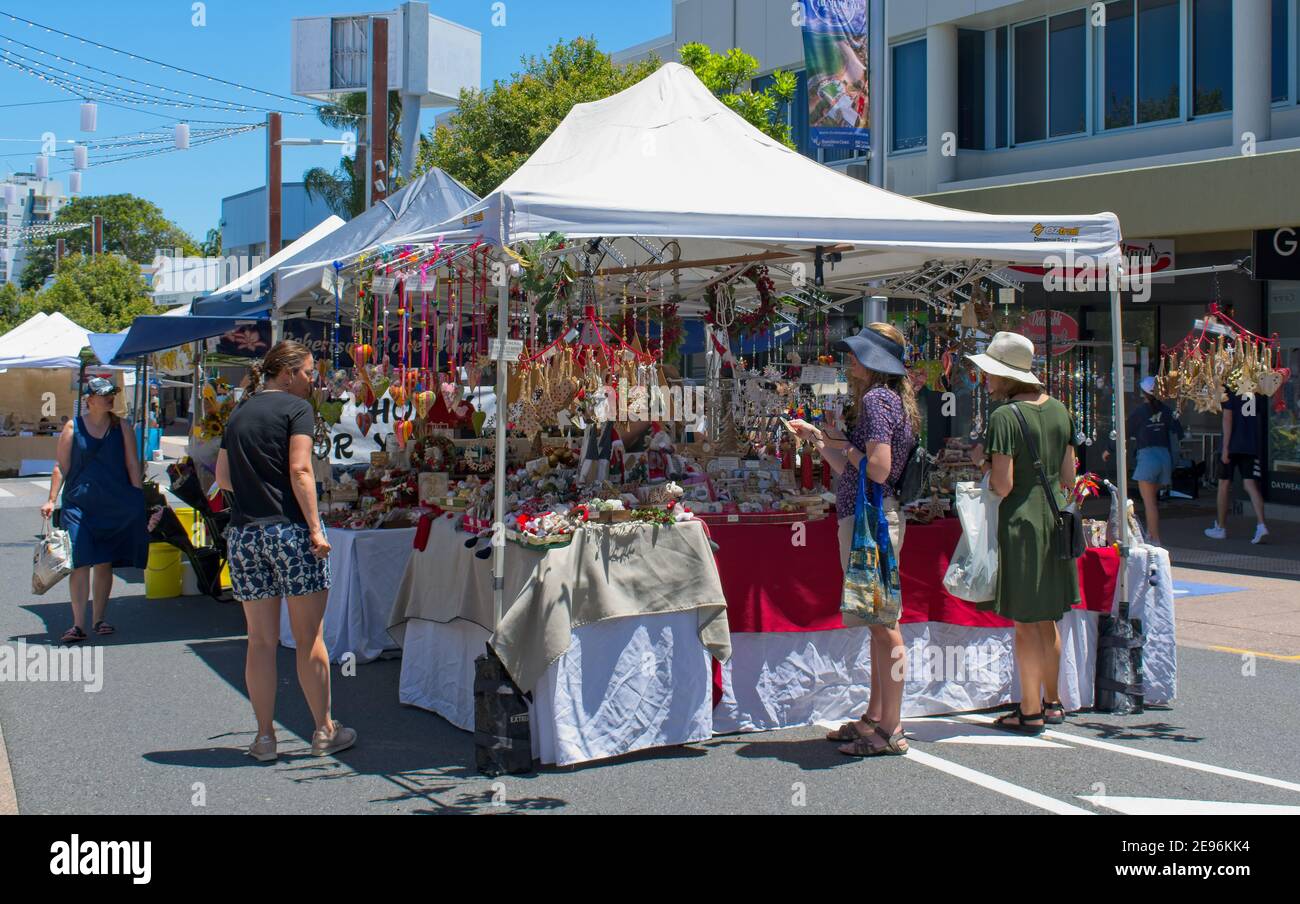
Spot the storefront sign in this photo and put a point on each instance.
(835, 41)
(1065, 331)
(1276, 253)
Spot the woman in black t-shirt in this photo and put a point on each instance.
(277, 543)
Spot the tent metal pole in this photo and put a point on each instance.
(1121, 447)
(143, 413)
(502, 412)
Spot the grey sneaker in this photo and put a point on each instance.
(327, 743)
(263, 749)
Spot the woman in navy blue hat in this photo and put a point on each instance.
(103, 505)
(883, 426)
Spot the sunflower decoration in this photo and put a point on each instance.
(218, 403)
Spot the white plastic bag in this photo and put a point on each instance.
(973, 571)
(52, 561)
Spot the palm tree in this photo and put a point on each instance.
(343, 189)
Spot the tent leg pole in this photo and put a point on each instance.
(144, 417)
(1121, 447)
(502, 409)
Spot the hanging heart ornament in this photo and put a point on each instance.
(364, 422)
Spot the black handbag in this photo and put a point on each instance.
(1069, 525)
(502, 732)
(915, 479)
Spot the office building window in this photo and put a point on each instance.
(970, 89)
(1031, 82)
(1157, 55)
(1118, 75)
(1067, 74)
(1281, 48)
(1002, 52)
(907, 82)
(1211, 56)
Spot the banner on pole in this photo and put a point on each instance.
(835, 34)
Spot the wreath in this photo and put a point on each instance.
(671, 329)
(750, 323)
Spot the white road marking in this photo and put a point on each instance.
(41, 484)
(5, 494)
(1160, 806)
(1156, 757)
(1024, 795)
(1004, 740)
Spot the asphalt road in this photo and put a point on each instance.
(165, 735)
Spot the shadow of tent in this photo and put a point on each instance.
(144, 621)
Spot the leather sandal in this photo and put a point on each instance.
(1053, 713)
(1021, 725)
(848, 732)
(893, 745)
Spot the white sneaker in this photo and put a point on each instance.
(1216, 532)
(1260, 533)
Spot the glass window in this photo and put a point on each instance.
(1068, 74)
(908, 84)
(1158, 80)
(1002, 75)
(1211, 56)
(1118, 76)
(970, 89)
(1281, 45)
(1031, 82)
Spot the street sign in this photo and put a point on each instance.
(1276, 253)
(511, 352)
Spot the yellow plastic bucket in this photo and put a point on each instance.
(193, 524)
(225, 577)
(164, 577)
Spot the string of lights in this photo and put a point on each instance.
(144, 59)
(91, 89)
(39, 230)
(186, 94)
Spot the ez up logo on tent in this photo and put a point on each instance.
(1055, 233)
(103, 858)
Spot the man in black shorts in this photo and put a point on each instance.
(1240, 455)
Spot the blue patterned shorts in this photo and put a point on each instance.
(269, 561)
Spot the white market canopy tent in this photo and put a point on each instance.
(251, 291)
(45, 340)
(429, 199)
(666, 160)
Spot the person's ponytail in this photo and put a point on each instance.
(254, 379)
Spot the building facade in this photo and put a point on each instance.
(35, 202)
(1182, 117)
(244, 219)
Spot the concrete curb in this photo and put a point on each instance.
(8, 795)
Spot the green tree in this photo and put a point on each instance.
(494, 131)
(728, 75)
(211, 244)
(16, 306)
(133, 227)
(343, 188)
(104, 294)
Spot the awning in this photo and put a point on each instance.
(158, 333)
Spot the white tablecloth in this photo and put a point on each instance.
(624, 684)
(366, 569)
(783, 680)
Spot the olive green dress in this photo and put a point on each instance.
(1034, 584)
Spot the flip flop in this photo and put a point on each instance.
(73, 635)
(103, 629)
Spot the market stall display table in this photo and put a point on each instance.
(613, 634)
(366, 569)
(794, 663)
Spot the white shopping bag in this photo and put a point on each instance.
(52, 561)
(973, 571)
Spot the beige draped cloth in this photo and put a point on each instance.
(608, 571)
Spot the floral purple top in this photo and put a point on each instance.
(882, 421)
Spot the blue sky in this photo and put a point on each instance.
(245, 41)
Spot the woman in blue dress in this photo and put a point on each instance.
(103, 505)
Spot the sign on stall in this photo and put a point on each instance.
(384, 285)
(510, 351)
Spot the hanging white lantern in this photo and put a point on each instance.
(89, 116)
(42, 167)
(182, 136)
(11, 194)
(80, 157)
(74, 183)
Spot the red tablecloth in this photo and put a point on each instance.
(773, 585)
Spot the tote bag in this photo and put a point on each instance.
(871, 581)
(52, 561)
(973, 570)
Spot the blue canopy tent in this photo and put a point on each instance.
(154, 334)
(238, 303)
(693, 339)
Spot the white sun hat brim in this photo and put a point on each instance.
(996, 368)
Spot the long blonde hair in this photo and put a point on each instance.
(899, 384)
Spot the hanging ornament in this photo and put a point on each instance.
(181, 136)
(80, 157)
(89, 116)
(42, 167)
(74, 183)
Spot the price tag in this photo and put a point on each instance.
(733, 519)
(329, 277)
(728, 464)
(752, 464)
(509, 351)
(384, 285)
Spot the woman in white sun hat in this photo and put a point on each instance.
(1036, 587)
